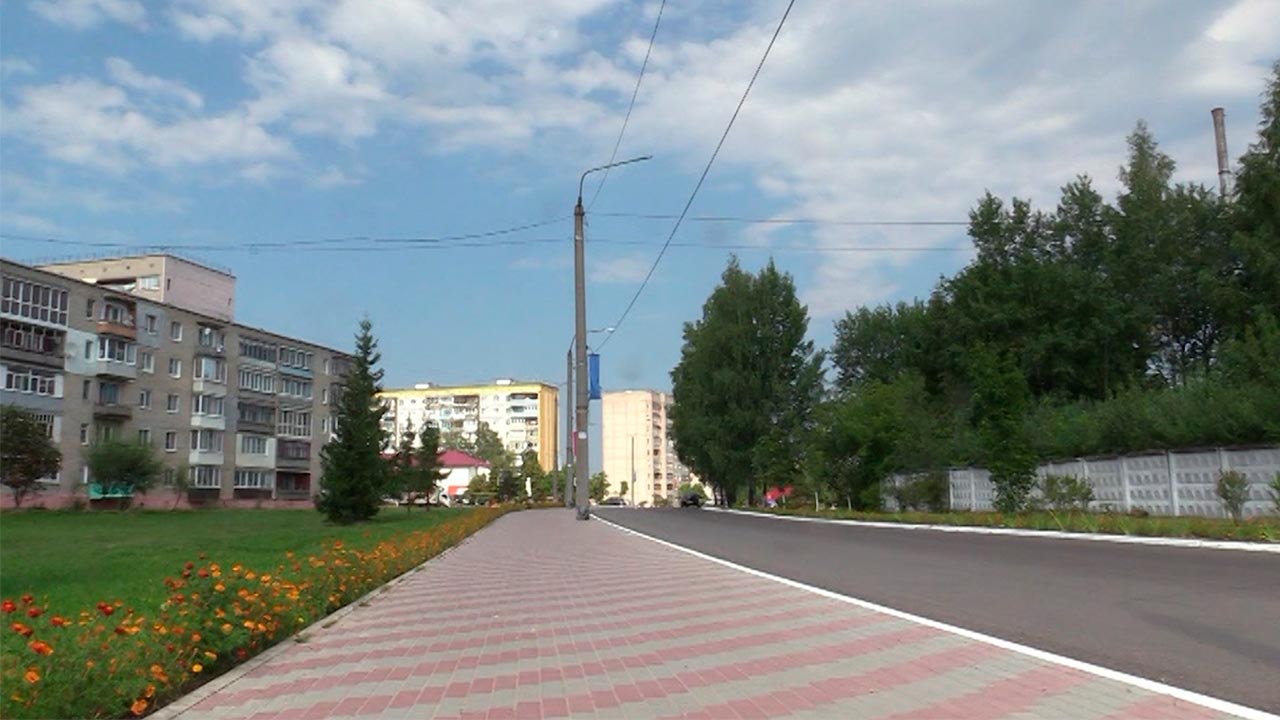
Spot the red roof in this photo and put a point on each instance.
(459, 459)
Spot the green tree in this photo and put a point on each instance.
(457, 440)
(746, 383)
(599, 486)
(1256, 210)
(427, 470)
(489, 447)
(482, 487)
(354, 471)
(399, 475)
(532, 475)
(879, 344)
(1000, 405)
(116, 462)
(510, 487)
(26, 453)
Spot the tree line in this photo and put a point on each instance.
(1148, 321)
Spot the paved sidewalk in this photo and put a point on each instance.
(515, 623)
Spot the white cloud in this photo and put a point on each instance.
(29, 223)
(126, 75)
(333, 177)
(84, 14)
(85, 122)
(627, 270)
(16, 66)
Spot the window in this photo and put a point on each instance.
(108, 393)
(206, 476)
(33, 338)
(206, 440)
(253, 444)
(30, 380)
(210, 337)
(207, 405)
(45, 303)
(148, 361)
(88, 349)
(207, 368)
(253, 479)
(84, 390)
(149, 282)
(175, 331)
(172, 403)
(257, 414)
(144, 399)
(116, 313)
(324, 395)
(88, 308)
(44, 420)
(326, 366)
(175, 367)
(171, 441)
(258, 350)
(144, 436)
(257, 381)
(324, 425)
(84, 433)
(117, 350)
(296, 423)
(293, 450)
(295, 388)
(300, 359)
(152, 324)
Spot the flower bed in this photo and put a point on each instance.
(112, 660)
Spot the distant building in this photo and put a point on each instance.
(244, 410)
(523, 414)
(160, 278)
(462, 469)
(638, 449)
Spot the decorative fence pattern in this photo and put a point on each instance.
(1161, 483)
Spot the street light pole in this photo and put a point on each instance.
(568, 429)
(582, 457)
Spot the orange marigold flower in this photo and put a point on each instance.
(58, 621)
(8, 606)
(89, 664)
(196, 667)
(211, 655)
(250, 575)
(34, 612)
(32, 675)
(189, 565)
(151, 691)
(138, 707)
(22, 630)
(203, 573)
(41, 647)
(248, 624)
(27, 599)
(122, 630)
(236, 568)
(195, 637)
(219, 587)
(226, 628)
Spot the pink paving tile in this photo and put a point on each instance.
(528, 710)
(1161, 707)
(1002, 697)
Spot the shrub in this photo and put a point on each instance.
(923, 492)
(1233, 490)
(1275, 492)
(1066, 492)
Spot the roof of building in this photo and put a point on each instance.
(138, 256)
(55, 277)
(456, 458)
(431, 389)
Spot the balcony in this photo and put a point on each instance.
(116, 369)
(112, 411)
(119, 328)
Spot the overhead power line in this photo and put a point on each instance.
(631, 106)
(701, 179)
(789, 221)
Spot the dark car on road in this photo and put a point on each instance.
(614, 501)
(691, 499)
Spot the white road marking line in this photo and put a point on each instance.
(1020, 532)
(1160, 688)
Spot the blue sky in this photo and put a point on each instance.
(221, 123)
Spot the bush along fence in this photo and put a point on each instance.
(113, 661)
(1172, 483)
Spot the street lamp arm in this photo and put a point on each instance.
(583, 179)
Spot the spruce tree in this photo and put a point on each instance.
(354, 471)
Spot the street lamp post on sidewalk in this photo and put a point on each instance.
(582, 469)
(569, 460)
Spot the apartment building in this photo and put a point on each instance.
(637, 447)
(524, 414)
(244, 410)
(160, 278)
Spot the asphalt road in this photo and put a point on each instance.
(1203, 620)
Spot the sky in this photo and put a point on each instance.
(213, 127)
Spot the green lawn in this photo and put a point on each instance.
(80, 558)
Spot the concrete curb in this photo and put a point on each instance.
(184, 703)
(1018, 532)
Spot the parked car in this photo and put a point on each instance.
(691, 499)
(614, 501)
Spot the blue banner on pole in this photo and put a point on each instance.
(593, 373)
